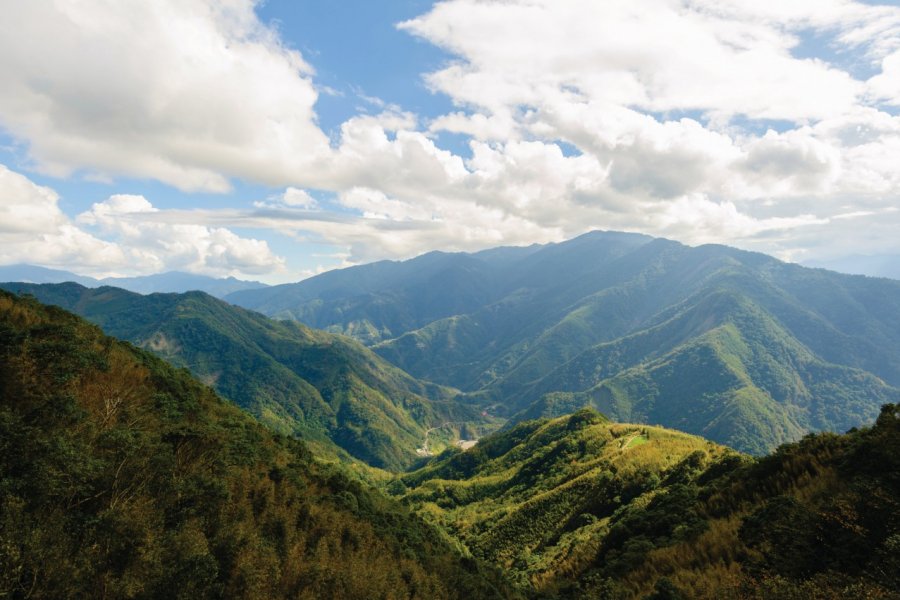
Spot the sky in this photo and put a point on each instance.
(273, 140)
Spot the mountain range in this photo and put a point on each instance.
(173, 281)
(325, 388)
(736, 346)
(123, 474)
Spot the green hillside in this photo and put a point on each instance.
(744, 380)
(529, 498)
(732, 345)
(122, 477)
(328, 389)
(579, 507)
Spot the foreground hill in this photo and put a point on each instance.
(327, 389)
(122, 477)
(735, 346)
(580, 507)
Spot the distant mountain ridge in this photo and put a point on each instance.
(170, 282)
(877, 265)
(383, 300)
(34, 274)
(327, 389)
(732, 345)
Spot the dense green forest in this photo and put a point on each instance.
(123, 477)
(735, 346)
(579, 507)
(328, 389)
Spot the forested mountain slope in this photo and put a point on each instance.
(736, 346)
(122, 477)
(325, 388)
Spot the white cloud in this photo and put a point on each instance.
(190, 92)
(157, 246)
(27, 208)
(117, 236)
(34, 230)
(668, 102)
(659, 55)
(792, 163)
(706, 120)
(299, 198)
(886, 85)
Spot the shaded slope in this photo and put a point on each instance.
(121, 476)
(299, 381)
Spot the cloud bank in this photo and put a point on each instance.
(117, 237)
(769, 125)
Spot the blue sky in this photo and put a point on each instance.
(273, 140)
(358, 51)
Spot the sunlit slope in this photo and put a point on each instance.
(529, 497)
(579, 507)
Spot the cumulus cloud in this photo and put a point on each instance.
(117, 237)
(299, 198)
(33, 229)
(659, 55)
(886, 85)
(157, 246)
(189, 92)
(705, 120)
(699, 119)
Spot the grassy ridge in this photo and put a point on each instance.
(535, 498)
(578, 507)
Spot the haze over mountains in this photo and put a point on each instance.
(173, 281)
(736, 346)
(874, 265)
